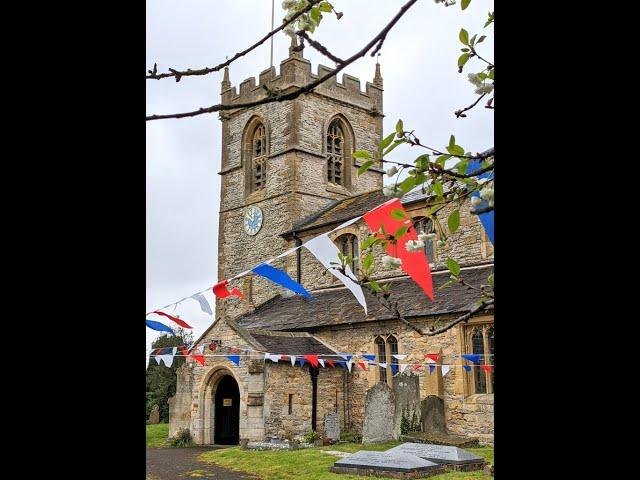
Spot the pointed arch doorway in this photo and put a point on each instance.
(227, 412)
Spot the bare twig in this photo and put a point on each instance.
(204, 71)
(319, 47)
(460, 113)
(298, 91)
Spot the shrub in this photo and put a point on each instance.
(182, 438)
(351, 437)
(311, 437)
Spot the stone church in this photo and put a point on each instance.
(288, 175)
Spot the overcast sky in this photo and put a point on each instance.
(421, 86)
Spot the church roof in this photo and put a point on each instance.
(337, 306)
(290, 343)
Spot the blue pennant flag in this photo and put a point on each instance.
(467, 368)
(160, 327)
(234, 358)
(301, 360)
(281, 278)
(485, 218)
(394, 368)
(342, 363)
(369, 357)
(431, 369)
(475, 358)
(347, 357)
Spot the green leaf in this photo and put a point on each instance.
(422, 162)
(452, 141)
(398, 214)
(400, 232)
(473, 39)
(482, 76)
(365, 166)
(325, 7)
(438, 189)
(368, 242)
(481, 39)
(465, 49)
(490, 279)
(419, 178)
(464, 36)
(407, 184)
(491, 74)
(315, 14)
(464, 4)
(399, 128)
(374, 286)
(361, 154)
(367, 261)
(489, 21)
(454, 221)
(455, 150)
(442, 159)
(462, 59)
(449, 283)
(387, 140)
(461, 166)
(394, 145)
(453, 267)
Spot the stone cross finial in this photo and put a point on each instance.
(225, 79)
(294, 45)
(377, 78)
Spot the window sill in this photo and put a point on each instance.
(256, 196)
(333, 188)
(477, 398)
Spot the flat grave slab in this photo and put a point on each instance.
(387, 464)
(454, 457)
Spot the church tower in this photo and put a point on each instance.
(284, 161)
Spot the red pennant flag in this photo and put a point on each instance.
(416, 367)
(433, 356)
(198, 358)
(220, 290)
(284, 358)
(362, 365)
(312, 359)
(233, 350)
(330, 363)
(184, 352)
(486, 368)
(414, 264)
(182, 323)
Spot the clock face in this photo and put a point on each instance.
(252, 220)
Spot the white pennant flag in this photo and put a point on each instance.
(349, 365)
(445, 369)
(430, 360)
(293, 360)
(204, 303)
(273, 358)
(399, 356)
(383, 365)
(321, 362)
(403, 367)
(201, 348)
(326, 252)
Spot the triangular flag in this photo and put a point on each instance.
(284, 358)
(182, 323)
(326, 252)
(417, 367)
(349, 365)
(234, 358)
(184, 352)
(220, 290)
(414, 264)
(403, 367)
(429, 360)
(475, 358)
(399, 356)
(167, 359)
(362, 365)
(204, 304)
(383, 365)
(159, 327)
(301, 360)
(486, 219)
(312, 359)
(445, 369)
(432, 356)
(486, 368)
(394, 368)
(431, 369)
(273, 358)
(330, 363)
(293, 360)
(369, 357)
(281, 278)
(198, 358)
(321, 362)
(467, 368)
(347, 357)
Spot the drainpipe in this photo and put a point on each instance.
(314, 400)
(298, 258)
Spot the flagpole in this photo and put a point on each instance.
(272, 17)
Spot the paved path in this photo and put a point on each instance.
(183, 463)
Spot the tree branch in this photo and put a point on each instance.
(460, 113)
(319, 47)
(279, 97)
(204, 71)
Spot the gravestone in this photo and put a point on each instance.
(386, 464)
(180, 404)
(379, 414)
(154, 417)
(432, 418)
(332, 426)
(407, 392)
(454, 457)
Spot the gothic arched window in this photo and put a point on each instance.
(393, 350)
(336, 153)
(348, 245)
(259, 158)
(479, 377)
(382, 358)
(425, 225)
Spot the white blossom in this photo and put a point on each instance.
(393, 191)
(474, 78)
(287, 4)
(441, 243)
(487, 194)
(391, 262)
(476, 201)
(392, 171)
(486, 88)
(414, 245)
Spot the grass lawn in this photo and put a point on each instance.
(313, 463)
(157, 434)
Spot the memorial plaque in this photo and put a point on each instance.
(226, 402)
(332, 426)
(386, 464)
(456, 457)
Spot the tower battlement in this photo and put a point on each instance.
(295, 72)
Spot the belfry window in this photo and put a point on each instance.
(259, 158)
(348, 245)
(335, 154)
